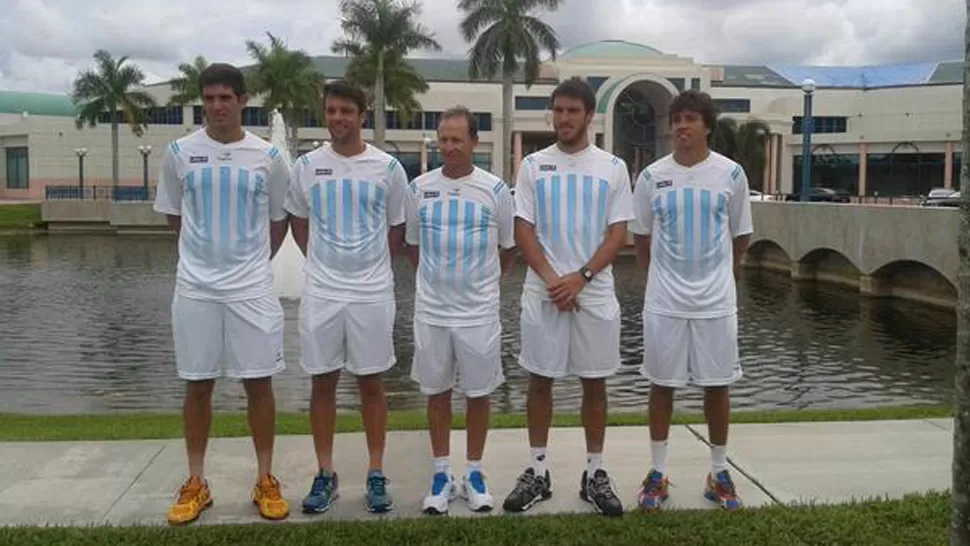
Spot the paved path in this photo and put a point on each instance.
(133, 482)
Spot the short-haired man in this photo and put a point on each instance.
(573, 201)
(222, 189)
(458, 219)
(347, 211)
(692, 229)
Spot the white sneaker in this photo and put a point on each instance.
(475, 491)
(443, 491)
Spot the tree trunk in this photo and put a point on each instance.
(960, 496)
(508, 113)
(380, 122)
(114, 147)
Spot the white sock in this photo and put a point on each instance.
(540, 461)
(718, 459)
(659, 452)
(473, 466)
(594, 462)
(442, 465)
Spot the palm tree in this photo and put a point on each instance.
(401, 82)
(507, 32)
(186, 87)
(288, 81)
(745, 144)
(108, 88)
(960, 497)
(379, 34)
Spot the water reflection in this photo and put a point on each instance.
(86, 327)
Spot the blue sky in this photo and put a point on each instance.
(43, 43)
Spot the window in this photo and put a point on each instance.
(828, 124)
(695, 84)
(678, 83)
(733, 106)
(165, 115)
(484, 121)
(198, 115)
(253, 116)
(431, 121)
(483, 160)
(531, 103)
(596, 82)
(18, 169)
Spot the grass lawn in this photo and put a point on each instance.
(20, 216)
(131, 426)
(921, 520)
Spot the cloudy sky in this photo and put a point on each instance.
(43, 43)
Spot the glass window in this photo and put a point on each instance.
(253, 116)
(531, 103)
(734, 106)
(830, 170)
(596, 82)
(484, 121)
(18, 169)
(825, 124)
(678, 83)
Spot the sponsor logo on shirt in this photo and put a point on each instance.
(665, 184)
(323, 172)
(224, 156)
(199, 159)
(546, 168)
(431, 194)
(454, 192)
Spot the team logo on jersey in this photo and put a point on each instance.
(664, 184)
(547, 168)
(199, 159)
(454, 192)
(224, 156)
(323, 172)
(431, 194)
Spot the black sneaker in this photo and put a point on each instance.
(529, 490)
(599, 492)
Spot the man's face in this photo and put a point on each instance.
(570, 119)
(344, 119)
(223, 108)
(689, 130)
(456, 145)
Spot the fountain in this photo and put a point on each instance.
(288, 262)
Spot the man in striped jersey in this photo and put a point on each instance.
(222, 189)
(692, 229)
(573, 202)
(347, 210)
(458, 219)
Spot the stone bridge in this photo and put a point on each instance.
(905, 252)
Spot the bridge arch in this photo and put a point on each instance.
(912, 279)
(768, 254)
(828, 265)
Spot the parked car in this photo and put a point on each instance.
(940, 197)
(756, 195)
(825, 195)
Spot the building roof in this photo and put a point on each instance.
(610, 49)
(848, 77)
(37, 104)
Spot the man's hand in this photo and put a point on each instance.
(565, 291)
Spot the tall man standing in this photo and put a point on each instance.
(458, 217)
(347, 211)
(573, 202)
(222, 189)
(692, 229)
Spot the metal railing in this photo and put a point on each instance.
(100, 193)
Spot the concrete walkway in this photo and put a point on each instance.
(133, 482)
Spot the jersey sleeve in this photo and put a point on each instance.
(642, 223)
(278, 184)
(397, 191)
(296, 203)
(412, 227)
(505, 214)
(621, 195)
(525, 193)
(168, 194)
(739, 205)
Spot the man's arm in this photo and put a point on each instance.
(396, 213)
(642, 223)
(297, 207)
(174, 222)
(507, 258)
(642, 243)
(528, 244)
(395, 241)
(168, 194)
(278, 188)
(414, 255)
(301, 232)
(739, 216)
(740, 245)
(277, 232)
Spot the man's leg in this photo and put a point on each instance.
(538, 409)
(593, 413)
(373, 413)
(262, 421)
(659, 415)
(717, 410)
(323, 417)
(197, 422)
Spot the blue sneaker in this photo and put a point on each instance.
(322, 493)
(475, 491)
(720, 490)
(443, 491)
(377, 498)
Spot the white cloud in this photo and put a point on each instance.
(44, 43)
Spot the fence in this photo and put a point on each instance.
(99, 193)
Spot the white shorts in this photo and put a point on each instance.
(679, 351)
(351, 336)
(246, 336)
(467, 356)
(584, 343)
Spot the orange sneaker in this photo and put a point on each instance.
(267, 496)
(194, 497)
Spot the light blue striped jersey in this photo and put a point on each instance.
(458, 226)
(351, 203)
(572, 199)
(693, 215)
(226, 195)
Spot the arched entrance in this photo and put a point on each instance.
(640, 131)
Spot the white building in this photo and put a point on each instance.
(892, 129)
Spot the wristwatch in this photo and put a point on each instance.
(587, 273)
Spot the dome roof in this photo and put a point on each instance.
(610, 49)
(38, 104)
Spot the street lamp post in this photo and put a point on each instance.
(80, 152)
(808, 87)
(145, 150)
